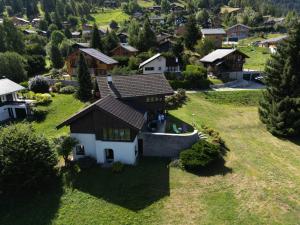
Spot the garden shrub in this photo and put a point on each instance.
(26, 158)
(67, 90)
(56, 87)
(200, 155)
(39, 84)
(43, 99)
(24, 84)
(177, 100)
(117, 167)
(39, 114)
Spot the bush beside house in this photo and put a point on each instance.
(26, 158)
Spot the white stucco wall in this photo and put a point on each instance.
(89, 143)
(123, 151)
(159, 62)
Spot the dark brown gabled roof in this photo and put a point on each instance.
(115, 108)
(135, 86)
(98, 55)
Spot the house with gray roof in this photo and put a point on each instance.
(216, 35)
(221, 61)
(110, 129)
(11, 107)
(272, 43)
(98, 63)
(124, 49)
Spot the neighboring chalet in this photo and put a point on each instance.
(17, 21)
(87, 31)
(157, 20)
(110, 130)
(11, 107)
(164, 42)
(237, 32)
(217, 35)
(160, 64)
(272, 43)
(230, 10)
(76, 35)
(29, 32)
(225, 61)
(98, 63)
(36, 22)
(123, 37)
(124, 49)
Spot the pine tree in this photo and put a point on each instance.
(2, 39)
(280, 106)
(96, 39)
(84, 92)
(192, 33)
(56, 57)
(146, 37)
(14, 39)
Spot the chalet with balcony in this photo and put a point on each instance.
(109, 130)
(221, 61)
(98, 63)
(124, 49)
(11, 107)
(160, 64)
(217, 35)
(237, 32)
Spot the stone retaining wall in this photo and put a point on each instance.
(167, 145)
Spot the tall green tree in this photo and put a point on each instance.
(146, 38)
(192, 33)
(133, 32)
(110, 41)
(84, 92)
(280, 106)
(12, 66)
(2, 39)
(96, 39)
(56, 57)
(14, 39)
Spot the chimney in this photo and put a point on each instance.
(109, 79)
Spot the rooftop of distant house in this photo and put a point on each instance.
(219, 54)
(98, 55)
(213, 31)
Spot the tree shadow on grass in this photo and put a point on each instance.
(31, 207)
(136, 188)
(218, 167)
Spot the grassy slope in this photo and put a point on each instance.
(62, 107)
(258, 56)
(263, 187)
(105, 17)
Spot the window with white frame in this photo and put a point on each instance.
(80, 150)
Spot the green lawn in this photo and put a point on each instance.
(146, 3)
(62, 107)
(259, 184)
(247, 41)
(257, 57)
(105, 17)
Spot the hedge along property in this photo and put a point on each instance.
(112, 128)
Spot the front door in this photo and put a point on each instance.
(109, 155)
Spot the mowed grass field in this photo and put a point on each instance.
(259, 183)
(62, 107)
(103, 18)
(258, 57)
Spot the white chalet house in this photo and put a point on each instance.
(109, 129)
(159, 64)
(10, 106)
